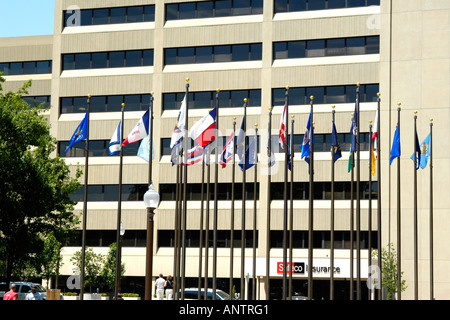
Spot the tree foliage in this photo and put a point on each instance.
(35, 184)
(108, 273)
(93, 263)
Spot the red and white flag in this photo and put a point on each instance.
(204, 130)
(282, 133)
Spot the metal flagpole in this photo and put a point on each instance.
(379, 244)
(369, 247)
(358, 201)
(399, 238)
(416, 265)
(183, 222)
(208, 198)
(216, 182)
(332, 219)
(232, 211)
(285, 215)
(119, 212)
(176, 246)
(431, 213)
(254, 216)
(352, 218)
(291, 209)
(311, 210)
(83, 236)
(243, 205)
(200, 257)
(269, 162)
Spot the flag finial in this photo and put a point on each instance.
(378, 94)
(311, 97)
(152, 93)
(287, 87)
(431, 119)
(415, 111)
(292, 116)
(358, 84)
(245, 99)
(187, 79)
(217, 90)
(123, 104)
(256, 125)
(370, 121)
(89, 96)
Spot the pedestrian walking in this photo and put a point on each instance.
(169, 288)
(159, 284)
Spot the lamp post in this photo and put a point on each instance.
(151, 200)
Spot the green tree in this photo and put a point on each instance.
(109, 268)
(50, 257)
(93, 263)
(35, 184)
(389, 271)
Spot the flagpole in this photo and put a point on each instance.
(254, 216)
(358, 201)
(201, 228)
(269, 154)
(119, 212)
(216, 182)
(380, 288)
(352, 218)
(232, 211)
(370, 205)
(208, 198)
(416, 265)
(399, 260)
(243, 205)
(431, 212)
(183, 222)
(285, 215)
(86, 167)
(311, 202)
(332, 217)
(291, 211)
(176, 255)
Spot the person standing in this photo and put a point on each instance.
(34, 294)
(159, 284)
(11, 294)
(169, 288)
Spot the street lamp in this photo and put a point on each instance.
(151, 200)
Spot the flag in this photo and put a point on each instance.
(240, 144)
(203, 131)
(178, 131)
(395, 151)
(335, 143)
(80, 133)
(195, 155)
(228, 151)
(417, 152)
(144, 149)
(175, 152)
(140, 130)
(425, 151)
(114, 143)
(251, 157)
(291, 149)
(306, 149)
(350, 159)
(354, 128)
(282, 133)
(372, 162)
(375, 135)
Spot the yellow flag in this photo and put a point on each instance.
(372, 165)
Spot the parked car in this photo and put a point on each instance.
(23, 288)
(192, 294)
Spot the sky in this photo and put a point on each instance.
(26, 17)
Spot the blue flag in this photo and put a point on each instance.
(306, 149)
(354, 128)
(240, 143)
(425, 151)
(144, 149)
(251, 155)
(395, 151)
(115, 142)
(80, 133)
(335, 144)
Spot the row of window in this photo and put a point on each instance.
(212, 54)
(306, 5)
(210, 9)
(112, 59)
(110, 192)
(34, 101)
(113, 103)
(322, 143)
(326, 47)
(227, 98)
(87, 17)
(166, 239)
(26, 67)
(199, 10)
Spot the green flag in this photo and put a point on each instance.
(350, 160)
